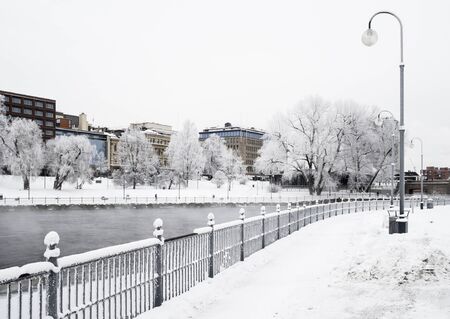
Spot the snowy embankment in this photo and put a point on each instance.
(104, 191)
(344, 267)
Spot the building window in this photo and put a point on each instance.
(39, 104)
(49, 132)
(16, 109)
(50, 106)
(7, 99)
(27, 102)
(48, 114)
(27, 111)
(16, 100)
(38, 113)
(39, 122)
(49, 123)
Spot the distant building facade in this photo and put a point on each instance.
(245, 141)
(38, 109)
(432, 173)
(158, 135)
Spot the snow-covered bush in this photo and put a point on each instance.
(219, 179)
(273, 188)
(243, 180)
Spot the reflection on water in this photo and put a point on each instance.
(22, 232)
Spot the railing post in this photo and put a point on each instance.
(278, 221)
(304, 214)
(158, 233)
(289, 206)
(297, 208)
(263, 214)
(51, 254)
(211, 223)
(242, 217)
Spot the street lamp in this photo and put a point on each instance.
(369, 38)
(421, 167)
(379, 122)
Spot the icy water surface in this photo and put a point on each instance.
(22, 231)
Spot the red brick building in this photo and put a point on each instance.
(432, 173)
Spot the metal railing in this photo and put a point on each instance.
(146, 200)
(126, 280)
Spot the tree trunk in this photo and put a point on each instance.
(134, 183)
(26, 182)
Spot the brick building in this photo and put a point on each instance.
(38, 109)
(432, 173)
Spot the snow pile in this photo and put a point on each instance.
(402, 265)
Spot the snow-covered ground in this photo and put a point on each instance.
(344, 267)
(11, 187)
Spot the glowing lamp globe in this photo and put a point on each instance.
(369, 37)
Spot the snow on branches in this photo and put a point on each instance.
(185, 154)
(137, 159)
(325, 143)
(69, 159)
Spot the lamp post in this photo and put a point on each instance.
(379, 122)
(369, 38)
(421, 167)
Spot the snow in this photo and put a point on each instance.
(13, 273)
(11, 187)
(158, 223)
(77, 259)
(343, 267)
(52, 238)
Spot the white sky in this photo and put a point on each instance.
(237, 60)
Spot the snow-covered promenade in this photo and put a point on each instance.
(344, 267)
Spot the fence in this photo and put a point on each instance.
(126, 280)
(145, 200)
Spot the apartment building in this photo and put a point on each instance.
(38, 109)
(245, 141)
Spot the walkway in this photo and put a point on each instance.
(344, 267)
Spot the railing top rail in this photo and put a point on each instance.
(27, 271)
(107, 252)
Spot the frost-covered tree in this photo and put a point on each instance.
(137, 159)
(305, 142)
(23, 149)
(3, 126)
(214, 151)
(69, 159)
(185, 154)
(232, 167)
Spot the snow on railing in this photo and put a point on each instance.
(125, 280)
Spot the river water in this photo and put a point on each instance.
(22, 231)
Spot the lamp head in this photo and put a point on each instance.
(411, 144)
(369, 37)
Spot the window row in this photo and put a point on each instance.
(28, 102)
(26, 111)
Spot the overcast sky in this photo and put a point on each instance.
(238, 61)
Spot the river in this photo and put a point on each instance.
(22, 231)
